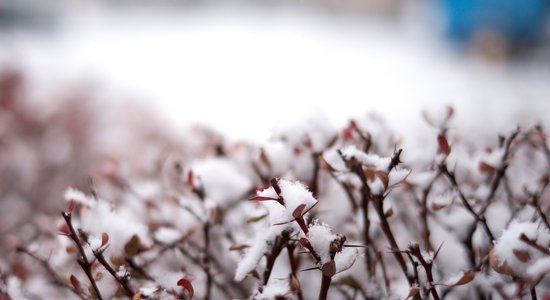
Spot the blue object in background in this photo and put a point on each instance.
(516, 20)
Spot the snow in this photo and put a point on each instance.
(494, 158)
(539, 268)
(148, 291)
(442, 200)
(320, 237)
(94, 242)
(345, 259)
(509, 244)
(79, 197)
(120, 224)
(261, 245)
(376, 186)
(397, 176)
(223, 180)
(279, 156)
(374, 160)
(295, 194)
(274, 289)
(167, 235)
(421, 179)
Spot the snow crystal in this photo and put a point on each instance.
(377, 187)
(167, 235)
(78, 196)
(94, 242)
(320, 236)
(148, 291)
(539, 268)
(397, 176)
(454, 279)
(345, 259)
(421, 179)
(380, 163)
(509, 243)
(295, 194)
(273, 289)
(256, 251)
(279, 156)
(223, 180)
(332, 157)
(442, 200)
(494, 159)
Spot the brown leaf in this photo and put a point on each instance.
(412, 292)
(238, 247)
(118, 260)
(297, 213)
(351, 282)
(329, 269)
(134, 246)
(324, 164)
(264, 159)
(137, 295)
(388, 213)
(383, 176)
(502, 268)
(522, 255)
(104, 238)
(71, 206)
(369, 173)
(443, 145)
(76, 284)
(186, 284)
(465, 278)
(485, 167)
(294, 283)
(255, 218)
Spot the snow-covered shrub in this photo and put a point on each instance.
(313, 212)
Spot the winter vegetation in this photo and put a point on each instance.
(312, 212)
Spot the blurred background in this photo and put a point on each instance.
(81, 81)
(243, 66)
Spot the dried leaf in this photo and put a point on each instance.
(104, 238)
(383, 176)
(186, 284)
(389, 212)
(502, 268)
(412, 292)
(351, 282)
(117, 260)
(324, 164)
(137, 295)
(485, 167)
(133, 246)
(329, 269)
(70, 206)
(294, 283)
(238, 247)
(297, 213)
(264, 159)
(463, 279)
(76, 284)
(522, 255)
(255, 219)
(262, 198)
(443, 145)
(191, 179)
